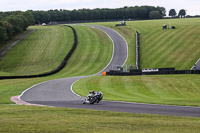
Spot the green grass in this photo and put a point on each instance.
(21, 119)
(40, 52)
(160, 48)
(14, 87)
(46, 48)
(128, 33)
(14, 38)
(92, 54)
(85, 61)
(162, 89)
(5, 44)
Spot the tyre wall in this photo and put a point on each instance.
(139, 72)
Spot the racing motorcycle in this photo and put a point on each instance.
(93, 97)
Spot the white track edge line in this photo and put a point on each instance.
(112, 52)
(123, 65)
(71, 88)
(29, 89)
(126, 46)
(100, 72)
(111, 58)
(102, 69)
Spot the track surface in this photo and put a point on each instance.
(196, 65)
(58, 92)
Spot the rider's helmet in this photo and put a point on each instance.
(92, 92)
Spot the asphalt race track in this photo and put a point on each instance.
(196, 65)
(57, 93)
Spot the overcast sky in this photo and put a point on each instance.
(192, 6)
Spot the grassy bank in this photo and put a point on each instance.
(21, 119)
(40, 52)
(92, 54)
(177, 48)
(163, 89)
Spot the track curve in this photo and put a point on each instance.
(58, 92)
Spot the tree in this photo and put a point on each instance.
(29, 16)
(162, 11)
(8, 27)
(154, 15)
(182, 13)
(3, 34)
(15, 23)
(172, 13)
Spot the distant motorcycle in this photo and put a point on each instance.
(93, 97)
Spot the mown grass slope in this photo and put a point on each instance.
(14, 38)
(40, 52)
(161, 89)
(160, 48)
(46, 48)
(177, 48)
(93, 53)
(45, 119)
(22, 119)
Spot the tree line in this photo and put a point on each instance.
(12, 23)
(142, 12)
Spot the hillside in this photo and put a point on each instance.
(91, 55)
(40, 52)
(177, 48)
(46, 48)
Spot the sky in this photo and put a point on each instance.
(191, 6)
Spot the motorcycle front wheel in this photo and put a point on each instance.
(93, 100)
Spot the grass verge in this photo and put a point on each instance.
(161, 89)
(160, 48)
(21, 119)
(42, 51)
(93, 53)
(45, 119)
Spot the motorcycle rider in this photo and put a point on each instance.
(92, 94)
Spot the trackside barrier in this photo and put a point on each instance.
(104, 73)
(139, 72)
(137, 50)
(60, 67)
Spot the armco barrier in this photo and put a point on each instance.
(60, 67)
(139, 72)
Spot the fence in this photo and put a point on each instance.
(159, 71)
(139, 72)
